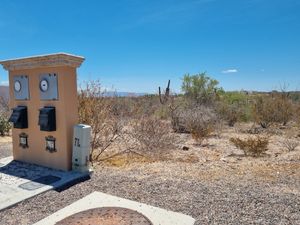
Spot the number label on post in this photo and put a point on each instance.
(77, 143)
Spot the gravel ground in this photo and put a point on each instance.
(217, 189)
(210, 202)
(5, 150)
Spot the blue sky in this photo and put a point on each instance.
(137, 45)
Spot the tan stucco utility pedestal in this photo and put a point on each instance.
(46, 86)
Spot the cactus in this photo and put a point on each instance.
(165, 98)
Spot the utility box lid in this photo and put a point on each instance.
(19, 117)
(47, 119)
(83, 134)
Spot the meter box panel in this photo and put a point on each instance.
(21, 87)
(47, 119)
(23, 140)
(19, 117)
(48, 86)
(81, 147)
(50, 144)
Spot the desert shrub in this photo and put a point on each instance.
(284, 108)
(200, 121)
(122, 125)
(147, 105)
(134, 107)
(233, 112)
(200, 88)
(137, 107)
(229, 113)
(252, 146)
(4, 125)
(178, 109)
(264, 111)
(270, 109)
(99, 112)
(4, 115)
(296, 116)
(163, 112)
(289, 144)
(149, 137)
(166, 111)
(295, 96)
(4, 107)
(178, 122)
(234, 107)
(234, 96)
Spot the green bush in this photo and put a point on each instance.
(4, 125)
(234, 107)
(234, 96)
(200, 88)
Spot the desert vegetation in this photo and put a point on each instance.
(148, 126)
(253, 146)
(201, 151)
(151, 126)
(4, 112)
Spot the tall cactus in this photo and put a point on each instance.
(165, 98)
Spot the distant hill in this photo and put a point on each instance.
(123, 94)
(4, 92)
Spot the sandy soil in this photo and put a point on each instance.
(5, 139)
(215, 183)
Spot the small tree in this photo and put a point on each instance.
(100, 112)
(200, 88)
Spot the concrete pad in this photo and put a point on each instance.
(156, 215)
(20, 181)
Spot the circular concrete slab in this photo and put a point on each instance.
(106, 216)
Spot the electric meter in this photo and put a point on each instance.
(18, 86)
(44, 85)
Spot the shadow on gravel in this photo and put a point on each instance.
(38, 176)
(72, 183)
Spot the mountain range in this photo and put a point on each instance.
(4, 92)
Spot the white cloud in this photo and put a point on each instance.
(4, 82)
(230, 71)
